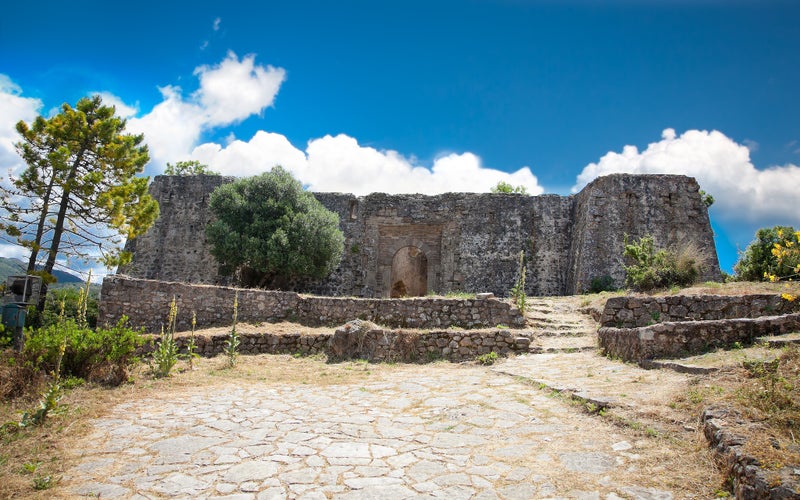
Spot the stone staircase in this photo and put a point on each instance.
(556, 326)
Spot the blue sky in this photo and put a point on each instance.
(432, 96)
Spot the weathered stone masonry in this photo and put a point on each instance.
(417, 244)
(146, 304)
(645, 328)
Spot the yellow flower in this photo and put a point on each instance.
(789, 297)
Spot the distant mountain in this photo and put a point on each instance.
(10, 267)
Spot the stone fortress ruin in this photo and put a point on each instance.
(415, 245)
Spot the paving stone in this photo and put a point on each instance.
(647, 493)
(251, 471)
(102, 490)
(588, 462)
(423, 432)
(518, 491)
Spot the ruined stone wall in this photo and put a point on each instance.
(376, 345)
(668, 207)
(684, 338)
(636, 311)
(146, 304)
(641, 328)
(470, 242)
(175, 247)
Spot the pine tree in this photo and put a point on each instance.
(80, 195)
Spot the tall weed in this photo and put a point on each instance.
(518, 294)
(165, 354)
(233, 341)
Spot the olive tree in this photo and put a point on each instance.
(268, 231)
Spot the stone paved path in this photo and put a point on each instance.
(422, 431)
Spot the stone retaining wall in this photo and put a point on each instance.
(146, 303)
(678, 339)
(638, 311)
(748, 478)
(369, 342)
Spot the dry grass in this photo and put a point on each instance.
(766, 392)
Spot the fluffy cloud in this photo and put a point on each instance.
(122, 109)
(243, 159)
(228, 93)
(172, 128)
(340, 164)
(746, 197)
(13, 108)
(234, 89)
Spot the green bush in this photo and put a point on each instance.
(767, 255)
(102, 355)
(70, 297)
(602, 284)
(659, 268)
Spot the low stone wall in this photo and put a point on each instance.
(146, 303)
(638, 311)
(364, 340)
(678, 339)
(748, 478)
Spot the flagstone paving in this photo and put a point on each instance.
(418, 431)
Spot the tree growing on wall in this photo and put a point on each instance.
(80, 194)
(268, 231)
(191, 167)
(505, 187)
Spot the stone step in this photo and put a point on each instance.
(557, 326)
(563, 344)
(562, 333)
(778, 341)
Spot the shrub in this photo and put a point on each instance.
(659, 268)
(487, 359)
(102, 355)
(506, 188)
(75, 304)
(602, 284)
(774, 255)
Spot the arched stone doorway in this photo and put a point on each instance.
(409, 273)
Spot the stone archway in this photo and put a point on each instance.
(409, 273)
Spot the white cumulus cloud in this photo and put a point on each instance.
(259, 154)
(228, 93)
(746, 197)
(13, 108)
(171, 128)
(234, 89)
(339, 163)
